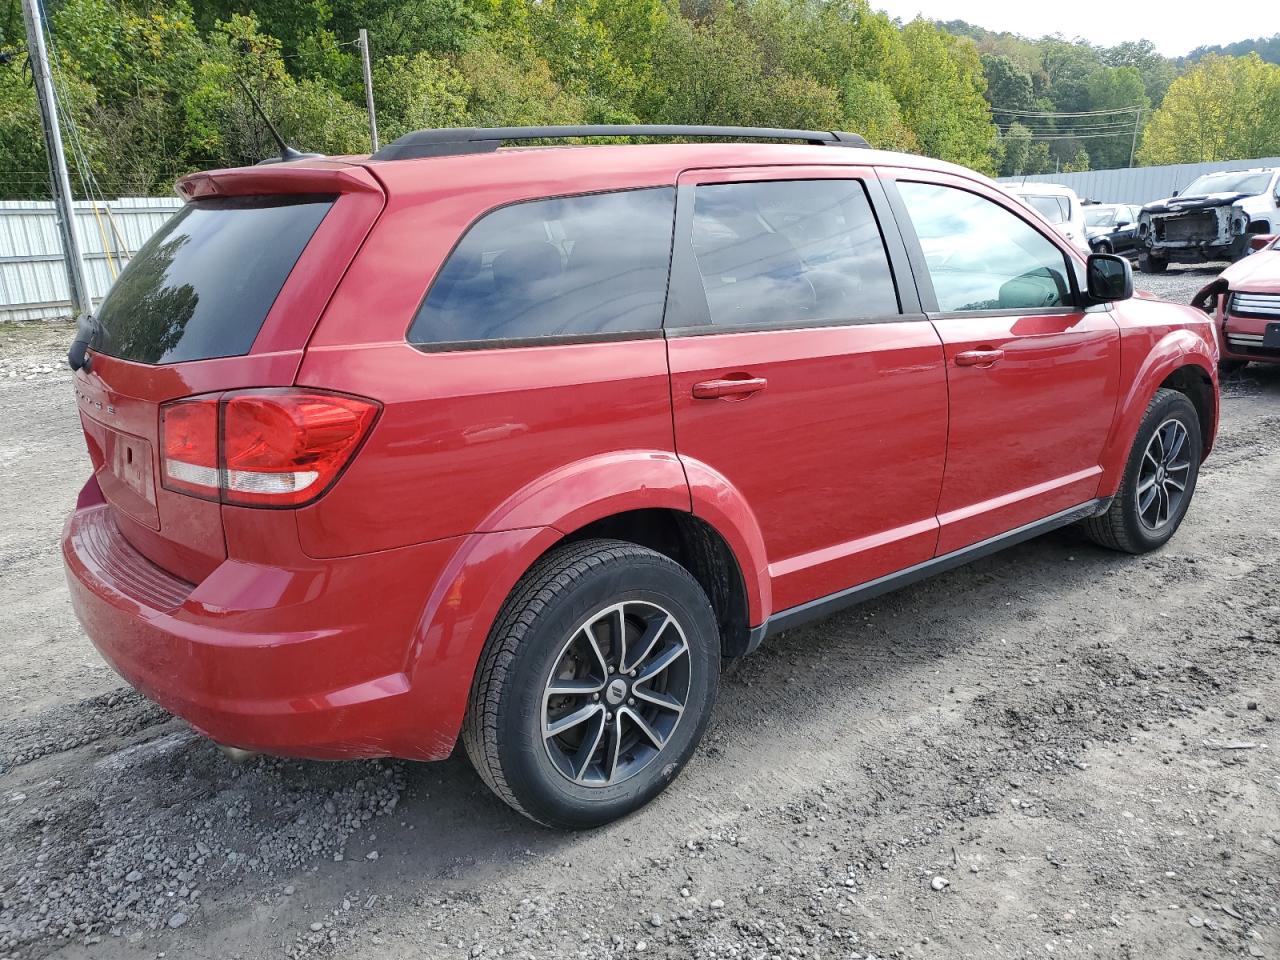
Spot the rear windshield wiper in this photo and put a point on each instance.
(86, 329)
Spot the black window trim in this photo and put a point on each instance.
(687, 297)
(554, 340)
(920, 269)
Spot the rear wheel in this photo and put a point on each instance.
(1148, 263)
(1159, 478)
(595, 685)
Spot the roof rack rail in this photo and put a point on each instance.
(462, 140)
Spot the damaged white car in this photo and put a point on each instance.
(1212, 219)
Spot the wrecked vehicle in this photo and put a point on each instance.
(1212, 219)
(1245, 304)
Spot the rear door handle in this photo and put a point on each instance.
(978, 358)
(713, 389)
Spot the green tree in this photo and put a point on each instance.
(941, 88)
(1157, 72)
(1009, 86)
(708, 72)
(506, 93)
(223, 126)
(1114, 88)
(1078, 162)
(419, 92)
(1224, 108)
(1016, 151)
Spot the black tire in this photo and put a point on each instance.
(1152, 264)
(1124, 527)
(537, 628)
(1103, 247)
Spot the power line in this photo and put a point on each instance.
(1083, 128)
(1053, 114)
(1086, 136)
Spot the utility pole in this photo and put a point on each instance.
(1133, 150)
(59, 181)
(368, 87)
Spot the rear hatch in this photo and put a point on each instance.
(224, 296)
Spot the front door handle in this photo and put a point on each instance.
(728, 387)
(978, 358)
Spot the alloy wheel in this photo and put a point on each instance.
(1162, 478)
(616, 693)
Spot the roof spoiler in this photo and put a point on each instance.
(463, 140)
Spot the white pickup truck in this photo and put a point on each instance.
(1212, 219)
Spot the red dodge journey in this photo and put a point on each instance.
(519, 445)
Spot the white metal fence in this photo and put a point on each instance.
(1139, 184)
(33, 283)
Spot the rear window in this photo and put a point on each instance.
(564, 267)
(204, 283)
(1053, 208)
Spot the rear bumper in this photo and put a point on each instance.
(319, 659)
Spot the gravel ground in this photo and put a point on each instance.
(1054, 752)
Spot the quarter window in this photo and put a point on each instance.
(562, 267)
(981, 256)
(794, 251)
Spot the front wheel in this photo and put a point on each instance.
(1159, 478)
(595, 685)
(1148, 263)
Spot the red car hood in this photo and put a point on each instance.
(1257, 273)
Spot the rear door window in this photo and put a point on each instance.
(566, 267)
(203, 284)
(791, 252)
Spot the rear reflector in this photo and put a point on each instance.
(280, 447)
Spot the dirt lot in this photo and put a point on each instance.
(1082, 745)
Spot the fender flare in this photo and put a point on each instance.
(582, 492)
(1176, 350)
(468, 594)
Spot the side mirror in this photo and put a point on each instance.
(1174, 194)
(1109, 278)
(1124, 222)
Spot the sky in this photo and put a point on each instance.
(1174, 27)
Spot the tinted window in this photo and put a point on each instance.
(561, 267)
(790, 251)
(1054, 209)
(203, 284)
(982, 257)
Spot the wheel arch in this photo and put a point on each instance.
(638, 496)
(1182, 360)
(1194, 382)
(698, 547)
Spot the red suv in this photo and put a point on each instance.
(521, 444)
(1245, 304)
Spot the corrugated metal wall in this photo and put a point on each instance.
(1139, 184)
(33, 283)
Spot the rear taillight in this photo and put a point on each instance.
(279, 448)
(189, 441)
